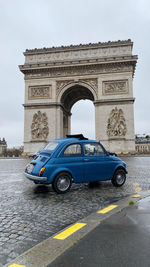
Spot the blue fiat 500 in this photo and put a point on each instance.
(75, 159)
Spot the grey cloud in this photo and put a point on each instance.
(46, 23)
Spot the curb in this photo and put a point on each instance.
(48, 250)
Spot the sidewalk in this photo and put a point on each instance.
(121, 240)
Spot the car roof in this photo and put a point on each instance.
(72, 140)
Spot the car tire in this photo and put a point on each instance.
(119, 178)
(62, 183)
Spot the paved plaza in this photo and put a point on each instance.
(30, 213)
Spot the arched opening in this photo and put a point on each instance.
(83, 120)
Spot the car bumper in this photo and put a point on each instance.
(35, 178)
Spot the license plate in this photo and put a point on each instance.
(30, 168)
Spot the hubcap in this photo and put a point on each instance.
(120, 178)
(63, 183)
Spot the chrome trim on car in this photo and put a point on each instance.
(36, 178)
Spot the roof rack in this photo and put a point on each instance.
(78, 136)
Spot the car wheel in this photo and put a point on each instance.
(119, 178)
(62, 183)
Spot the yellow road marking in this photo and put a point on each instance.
(136, 195)
(16, 265)
(148, 191)
(69, 231)
(138, 189)
(111, 207)
(135, 184)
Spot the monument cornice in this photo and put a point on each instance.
(46, 106)
(119, 101)
(57, 69)
(69, 63)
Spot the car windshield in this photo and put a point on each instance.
(51, 146)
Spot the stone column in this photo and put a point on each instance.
(59, 122)
(69, 124)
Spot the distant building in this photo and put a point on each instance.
(3, 146)
(142, 144)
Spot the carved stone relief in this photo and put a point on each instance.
(39, 126)
(91, 82)
(115, 87)
(116, 126)
(61, 84)
(80, 70)
(40, 92)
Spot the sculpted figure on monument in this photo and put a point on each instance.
(39, 126)
(116, 126)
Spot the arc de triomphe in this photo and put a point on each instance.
(56, 78)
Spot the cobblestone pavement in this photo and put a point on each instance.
(30, 213)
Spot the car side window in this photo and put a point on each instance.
(92, 149)
(73, 150)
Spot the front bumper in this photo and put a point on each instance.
(35, 178)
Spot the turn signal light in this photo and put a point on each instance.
(26, 166)
(41, 171)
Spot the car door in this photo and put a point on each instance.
(71, 160)
(97, 164)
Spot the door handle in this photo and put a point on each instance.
(86, 160)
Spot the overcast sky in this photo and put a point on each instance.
(45, 23)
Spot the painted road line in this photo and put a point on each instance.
(16, 265)
(105, 210)
(136, 184)
(136, 195)
(148, 191)
(69, 231)
(137, 189)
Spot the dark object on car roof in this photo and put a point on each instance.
(112, 153)
(78, 136)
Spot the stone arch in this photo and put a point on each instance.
(81, 84)
(70, 94)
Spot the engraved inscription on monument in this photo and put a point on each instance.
(115, 87)
(43, 91)
(116, 126)
(39, 126)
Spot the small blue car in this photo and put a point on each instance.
(75, 159)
